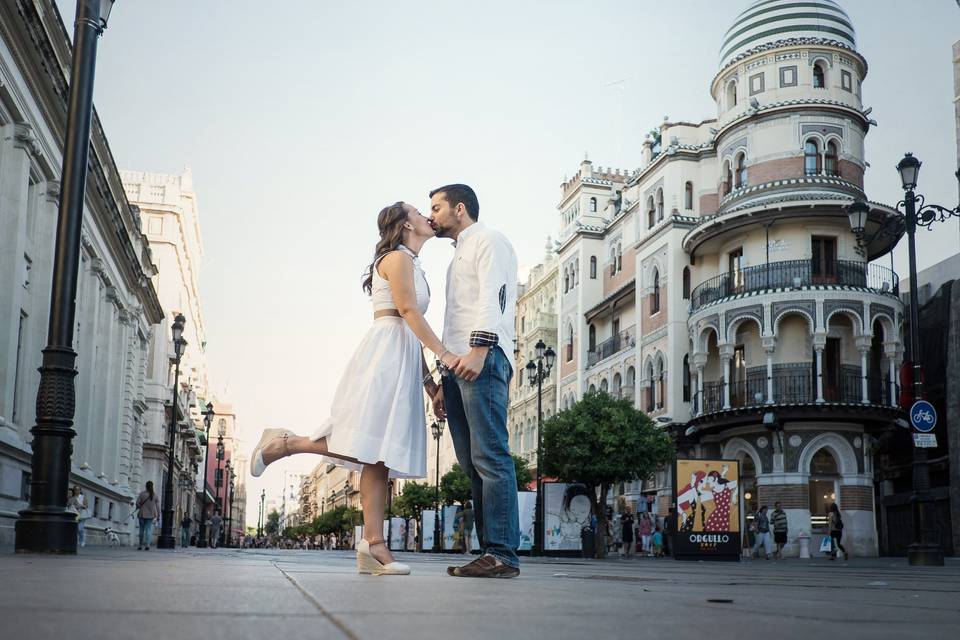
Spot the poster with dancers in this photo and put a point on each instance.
(707, 499)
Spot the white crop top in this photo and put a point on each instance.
(382, 297)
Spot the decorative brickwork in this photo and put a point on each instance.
(856, 498)
(791, 496)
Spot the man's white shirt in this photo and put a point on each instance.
(481, 292)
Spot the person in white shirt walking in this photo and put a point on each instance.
(479, 322)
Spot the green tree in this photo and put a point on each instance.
(273, 522)
(455, 486)
(415, 498)
(599, 442)
(524, 475)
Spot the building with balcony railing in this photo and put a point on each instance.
(720, 281)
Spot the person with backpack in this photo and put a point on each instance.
(761, 525)
(835, 525)
(148, 506)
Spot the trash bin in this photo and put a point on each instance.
(586, 542)
(804, 540)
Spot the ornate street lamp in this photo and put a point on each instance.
(260, 528)
(537, 372)
(45, 526)
(167, 540)
(207, 422)
(228, 470)
(437, 430)
(925, 549)
(218, 478)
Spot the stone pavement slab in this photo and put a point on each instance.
(225, 593)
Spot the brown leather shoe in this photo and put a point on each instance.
(486, 566)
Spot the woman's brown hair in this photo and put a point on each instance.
(390, 222)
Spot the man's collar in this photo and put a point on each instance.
(466, 233)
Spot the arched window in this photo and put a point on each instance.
(811, 158)
(593, 205)
(592, 338)
(613, 261)
(576, 272)
(741, 170)
(655, 293)
(651, 213)
(727, 186)
(569, 342)
(686, 378)
(619, 257)
(819, 76)
(630, 381)
(661, 388)
(688, 196)
(650, 388)
(593, 267)
(604, 386)
(686, 283)
(616, 385)
(592, 389)
(830, 159)
(566, 280)
(659, 205)
(731, 94)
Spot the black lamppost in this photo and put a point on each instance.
(263, 496)
(207, 422)
(925, 549)
(45, 525)
(228, 469)
(389, 512)
(437, 430)
(537, 372)
(232, 489)
(167, 540)
(218, 478)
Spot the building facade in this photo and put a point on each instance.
(170, 217)
(117, 306)
(536, 320)
(720, 285)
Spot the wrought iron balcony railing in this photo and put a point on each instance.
(623, 340)
(794, 274)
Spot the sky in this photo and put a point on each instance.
(302, 119)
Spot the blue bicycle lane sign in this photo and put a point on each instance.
(923, 417)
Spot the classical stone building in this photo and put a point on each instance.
(170, 218)
(721, 286)
(117, 306)
(536, 319)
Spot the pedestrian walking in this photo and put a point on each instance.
(468, 526)
(626, 532)
(778, 520)
(761, 524)
(835, 524)
(216, 524)
(77, 503)
(669, 523)
(148, 508)
(646, 532)
(185, 525)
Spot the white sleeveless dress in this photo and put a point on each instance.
(378, 412)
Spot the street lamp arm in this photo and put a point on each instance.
(927, 214)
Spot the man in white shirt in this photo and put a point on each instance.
(478, 327)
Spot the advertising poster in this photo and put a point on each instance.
(708, 510)
(427, 524)
(566, 510)
(527, 503)
(451, 528)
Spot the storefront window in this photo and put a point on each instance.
(824, 478)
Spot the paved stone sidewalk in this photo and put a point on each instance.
(211, 594)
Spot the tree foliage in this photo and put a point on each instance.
(455, 486)
(273, 522)
(600, 442)
(524, 475)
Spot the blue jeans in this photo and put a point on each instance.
(146, 531)
(184, 536)
(477, 414)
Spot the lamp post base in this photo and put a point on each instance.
(166, 542)
(925, 555)
(39, 532)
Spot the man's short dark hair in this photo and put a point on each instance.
(460, 194)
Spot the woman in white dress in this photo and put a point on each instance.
(377, 423)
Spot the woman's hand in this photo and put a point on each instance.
(450, 360)
(439, 409)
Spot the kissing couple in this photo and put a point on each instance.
(377, 423)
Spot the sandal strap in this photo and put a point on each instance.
(376, 541)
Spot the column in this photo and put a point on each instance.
(726, 353)
(891, 350)
(819, 350)
(699, 361)
(769, 343)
